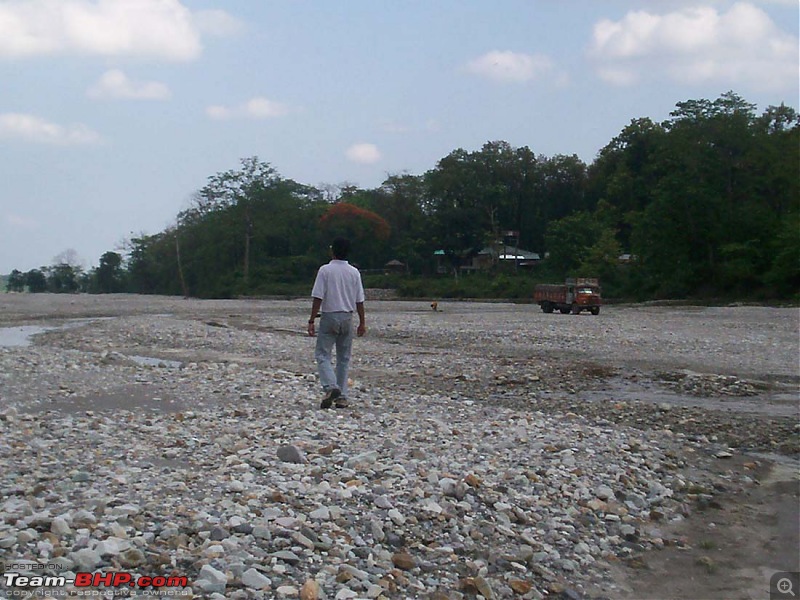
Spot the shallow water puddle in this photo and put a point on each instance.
(11, 337)
(149, 361)
(20, 336)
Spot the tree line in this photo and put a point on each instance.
(64, 277)
(705, 203)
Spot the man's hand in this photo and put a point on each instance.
(362, 329)
(315, 305)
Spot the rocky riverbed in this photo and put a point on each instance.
(490, 450)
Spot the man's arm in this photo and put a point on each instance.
(362, 323)
(315, 304)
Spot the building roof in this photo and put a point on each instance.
(509, 253)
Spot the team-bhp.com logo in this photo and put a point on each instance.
(94, 580)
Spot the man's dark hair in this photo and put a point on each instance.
(340, 248)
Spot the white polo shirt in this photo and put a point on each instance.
(338, 285)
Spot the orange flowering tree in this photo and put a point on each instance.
(367, 231)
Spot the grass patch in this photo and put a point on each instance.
(708, 564)
(707, 545)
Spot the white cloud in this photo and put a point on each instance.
(255, 108)
(217, 22)
(218, 113)
(163, 29)
(742, 46)
(363, 153)
(114, 84)
(399, 128)
(432, 126)
(395, 127)
(510, 66)
(21, 222)
(261, 108)
(35, 129)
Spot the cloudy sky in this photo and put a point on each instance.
(114, 112)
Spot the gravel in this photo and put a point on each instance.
(490, 450)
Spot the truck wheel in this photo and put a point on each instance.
(595, 310)
(547, 307)
(564, 310)
(576, 310)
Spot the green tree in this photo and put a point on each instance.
(706, 201)
(62, 278)
(784, 273)
(36, 281)
(16, 281)
(602, 260)
(109, 275)
(244, 220)
(459, 221)
(626, 173)
(367, 231)
(570, 241)
(400, 201)
(473, 197)
(151, 267)
(256, 188)
(711, 218)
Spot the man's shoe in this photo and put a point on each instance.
(341, 402)
(331, 395)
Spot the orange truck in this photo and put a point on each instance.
(576, 295)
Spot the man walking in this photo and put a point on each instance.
(337, 293)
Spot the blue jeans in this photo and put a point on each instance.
(335, 329)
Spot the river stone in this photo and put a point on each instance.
(310, 590)
(604, 492)
(86, 559)
(403, 560)
(211, 579)
(256, 580)
(287, 556)
(291, 454)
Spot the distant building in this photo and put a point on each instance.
(394, 266)
(499, 254)
(503, 254)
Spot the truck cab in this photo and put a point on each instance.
(584, 296)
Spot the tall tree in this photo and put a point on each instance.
(110, 275)
(16, 281)
(707, 222)
(570, 241)
(626, 172)
(36, 281)
(62, 278)
(366, 230)
(400, 201)
(236, 191)
(474, 197)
